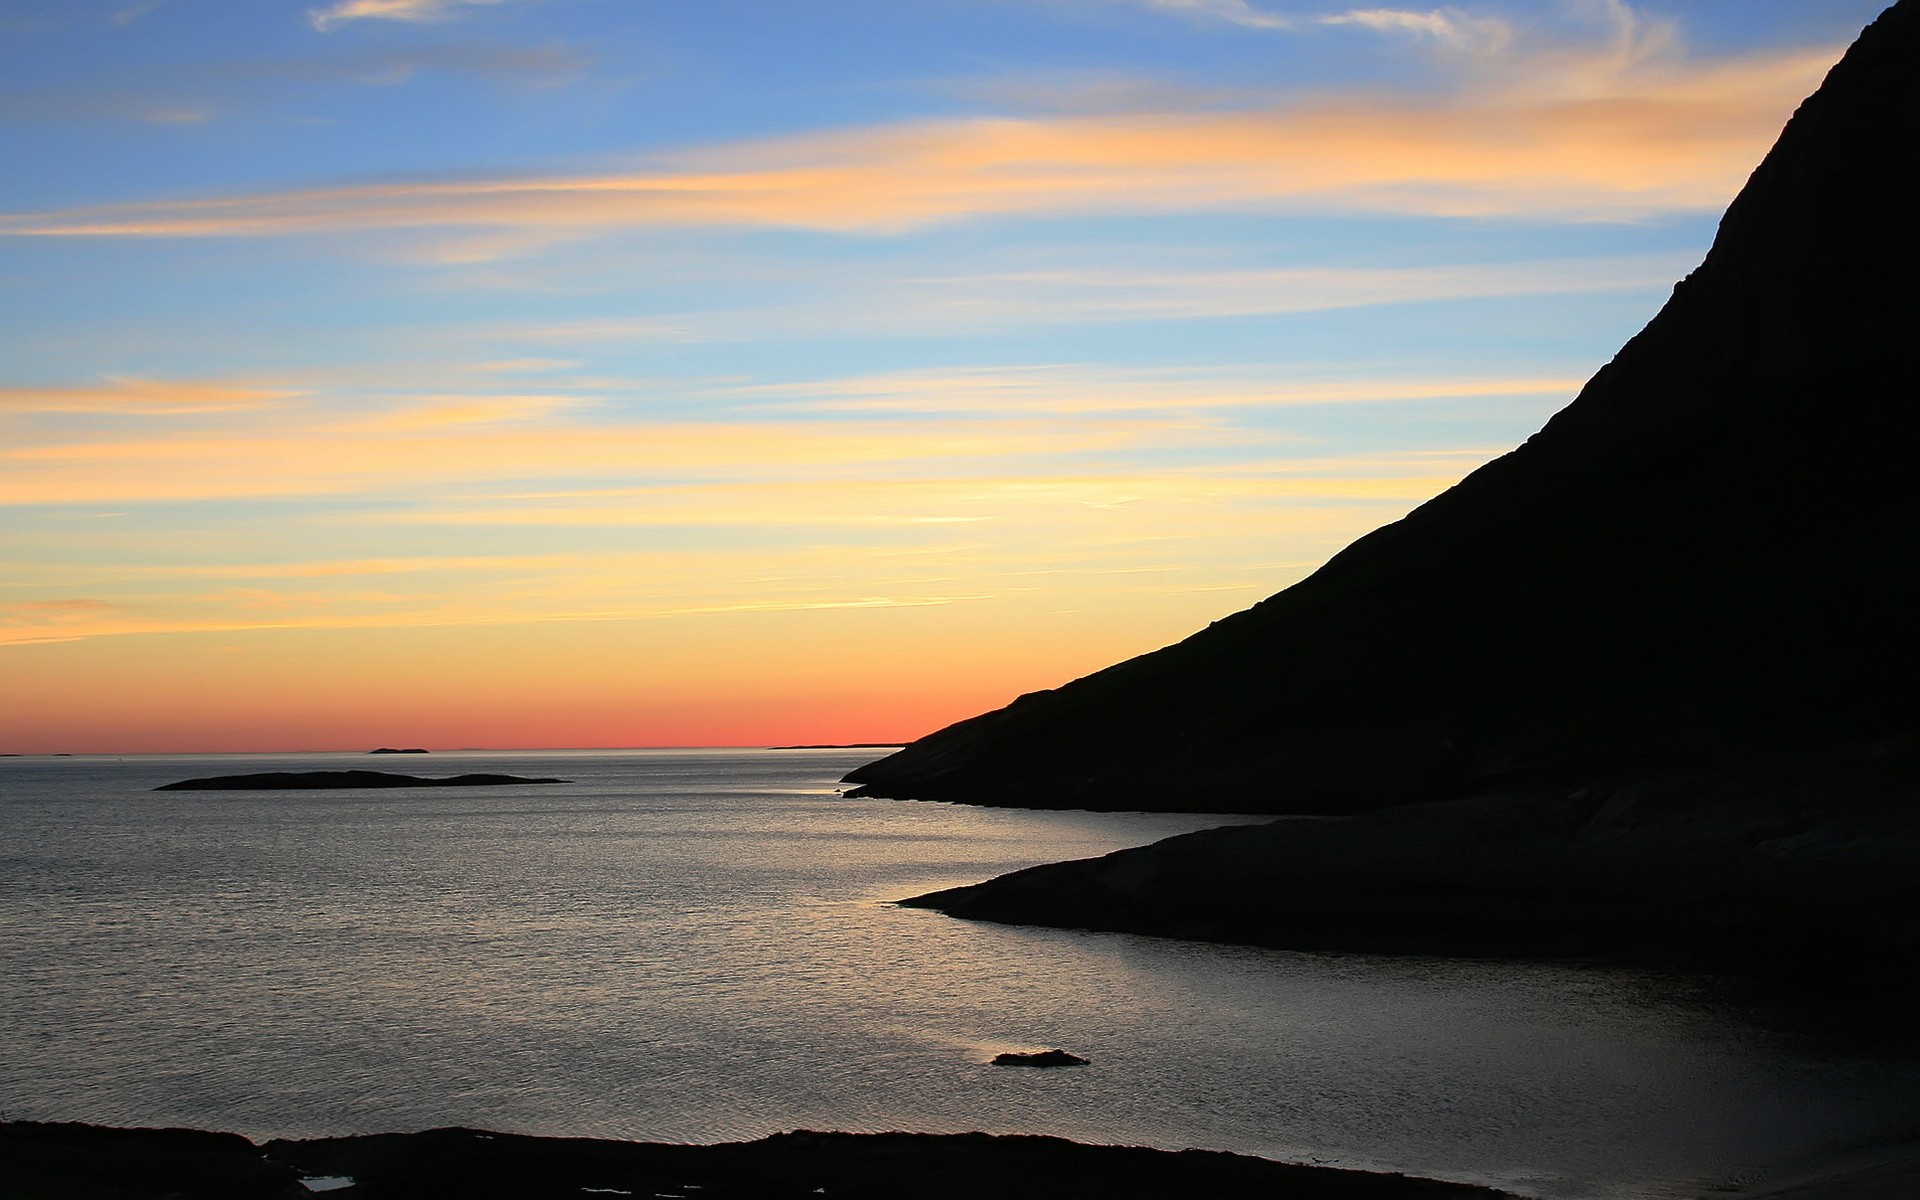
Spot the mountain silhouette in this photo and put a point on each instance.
(1709, 555)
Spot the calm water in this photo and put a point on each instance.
(697, 946)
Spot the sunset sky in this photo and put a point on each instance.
(527, 373)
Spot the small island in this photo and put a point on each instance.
(284, 781)
(1038, 1058)
(391, 750)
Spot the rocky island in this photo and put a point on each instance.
(1642, 688)
(1038, 1058)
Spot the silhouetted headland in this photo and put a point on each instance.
(1797, 871)
(88, 1162)
(391, 750)
(308, 780)
(1647, 681)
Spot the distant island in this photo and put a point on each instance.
(844, 746)
(391, 750)
(285, 781)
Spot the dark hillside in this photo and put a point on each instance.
(1711, 552)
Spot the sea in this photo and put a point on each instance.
(704, 945)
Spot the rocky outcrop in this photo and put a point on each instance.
(1038, 1058)
(282, 781)
(1710, 554)
(1799, 871)
(87, 1162)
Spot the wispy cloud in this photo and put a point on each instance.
(788, 546)
(142, 397)
(1232, 12)
(133, 12)
(160, 106)
(419, 446)
(176, 116)
(538, 65)
(198, 93)
(335, 15)
(1068, 389)
(1081, 294)
(61, 620)
(1449, 27)
(445, 412)
(1094, 91)
(507, 448)
(1065, 289)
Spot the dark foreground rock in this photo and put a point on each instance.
(86, 1162)
(280, 781)
(1711, 550)
(1800, 872)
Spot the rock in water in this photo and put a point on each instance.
(1041, 1058)
(1710, 552)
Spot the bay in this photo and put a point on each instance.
(699, 946)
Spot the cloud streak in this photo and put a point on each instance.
(975, 487)
(801, 545)
(142, 397)
(133, 12)
(1070, 389)
(414, 450)
(1076, 290)
(1077, 293)
(508, 449)
(1448, 27)
(1232, 12)
(413, 11)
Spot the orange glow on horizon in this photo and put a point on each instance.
(692, 681)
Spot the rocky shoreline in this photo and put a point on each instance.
(44, 1161)
(1796, 871)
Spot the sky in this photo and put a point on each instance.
(604, 373)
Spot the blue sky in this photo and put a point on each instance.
(681, 354)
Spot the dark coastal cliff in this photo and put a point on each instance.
(1711, 553)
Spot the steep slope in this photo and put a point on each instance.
(1710, 551)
